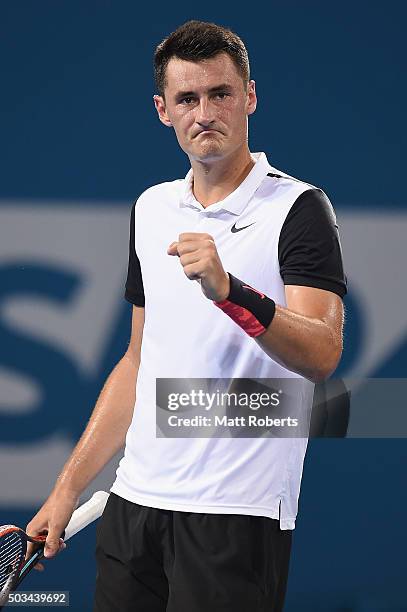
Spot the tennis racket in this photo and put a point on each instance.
(13, 544)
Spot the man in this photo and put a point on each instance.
(199, 524)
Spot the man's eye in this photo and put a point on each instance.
(187, 100)
(221, 95)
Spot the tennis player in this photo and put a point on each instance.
(204, 524)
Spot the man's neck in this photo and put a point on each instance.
(214, 181)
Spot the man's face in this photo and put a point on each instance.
(207, 104)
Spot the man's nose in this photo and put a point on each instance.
(205, 112)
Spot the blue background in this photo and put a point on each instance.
(77, 123)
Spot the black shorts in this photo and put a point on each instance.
(154, 560)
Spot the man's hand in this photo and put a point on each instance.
(52, 519)
(200, 261)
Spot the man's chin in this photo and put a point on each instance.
(207, 154)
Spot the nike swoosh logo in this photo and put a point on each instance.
(235, 229)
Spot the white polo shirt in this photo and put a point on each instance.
(186, 336)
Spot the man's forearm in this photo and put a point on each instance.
(302, 344)
(305, 337)
(106, 431)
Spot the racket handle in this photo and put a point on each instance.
(85, 514)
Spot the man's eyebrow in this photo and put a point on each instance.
(184, 94)
(222, 87)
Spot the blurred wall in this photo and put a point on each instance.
(80, 141)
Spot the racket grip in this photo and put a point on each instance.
(86, 514)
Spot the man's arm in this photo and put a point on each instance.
(104, 435)
(306, 337)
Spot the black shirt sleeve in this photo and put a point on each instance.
(134, 292)
(309, 249)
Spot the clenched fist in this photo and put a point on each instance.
(200, 261)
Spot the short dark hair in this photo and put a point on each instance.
(195, 41)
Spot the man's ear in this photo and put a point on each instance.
(251, 97)
(159, 104)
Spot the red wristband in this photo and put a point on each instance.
(250, 309)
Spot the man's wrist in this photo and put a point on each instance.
(225, 290)
(252, 310)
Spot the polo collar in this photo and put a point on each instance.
(236, 201)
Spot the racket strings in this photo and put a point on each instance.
(12, 552)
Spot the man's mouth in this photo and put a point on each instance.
(209, 131)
